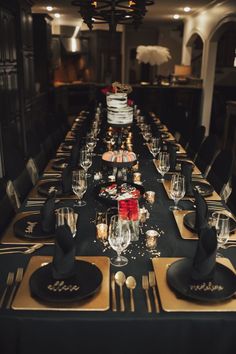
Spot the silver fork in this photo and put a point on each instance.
(28, 250)
(145, 285)
(19, 277)
(9, 282)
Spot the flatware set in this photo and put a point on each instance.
(12, 285)
(21, 249)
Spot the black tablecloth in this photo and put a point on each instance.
(37, 332)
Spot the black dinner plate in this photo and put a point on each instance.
(86, 281)
(189, 221)
(179, 280)
(30, 227)
(48, 187)
(108, 200)
(205, 189)
(60, 164)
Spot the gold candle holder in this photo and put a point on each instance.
(150, 197)
(151, 239)
(102, 232)
(137, 177)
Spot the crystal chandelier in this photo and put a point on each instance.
(112, 12)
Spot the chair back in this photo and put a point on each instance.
(207, 153)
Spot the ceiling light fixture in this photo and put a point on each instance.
(176, 17)
(187, 9)
(57, 15)
(112, 12)
(49, 8)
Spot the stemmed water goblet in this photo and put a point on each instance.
(85, 160)
(79, 186)
(163, 164)
(221, 223)
(119, 238)
(177, 190)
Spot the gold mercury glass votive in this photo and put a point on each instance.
(137, 177)
(102, 232)
(151, 239)
(150, 197)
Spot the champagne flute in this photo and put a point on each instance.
(79, 186)
(163, 164)
(221, 223)
(85, 160)
(119, 239)
(67, 216)
(177, 190)
(154, 147)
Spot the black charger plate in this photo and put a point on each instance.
(87, 278)
(205, 189)
(21, 225)
(179, 280)
(48, 187)
(189, 221)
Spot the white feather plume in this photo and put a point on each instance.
(153, 55)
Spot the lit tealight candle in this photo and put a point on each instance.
(102, 232)
(151, 239)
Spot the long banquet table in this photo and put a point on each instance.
(47, 332)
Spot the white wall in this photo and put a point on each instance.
(206, 23)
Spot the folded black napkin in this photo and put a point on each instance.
(201, 219)
(47, 214)
(186, 170)
(205, 257)
(74, 158)
(172, 156)
(67, 180)
(63, 265)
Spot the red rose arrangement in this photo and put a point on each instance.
(128, 209)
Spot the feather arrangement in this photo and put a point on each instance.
(153, 55)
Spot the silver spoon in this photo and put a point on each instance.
(131, 285)
(120, 280)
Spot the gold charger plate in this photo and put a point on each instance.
(186, 234)
(34, 192)
(99, 302)
(171, 303)
(10, 238)
(214, 196)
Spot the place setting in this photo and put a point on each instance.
(204, 283)
(64, 281)
(189, 222)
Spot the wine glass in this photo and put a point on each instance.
(67, 216)
(79, 186)
(85, 160)
(154, 147)
(221, 223)
(163, 164)
(90, 143)
(177, 189)
(119, 239)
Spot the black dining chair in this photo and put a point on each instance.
(196, 141)
(231, 202)
(7, 211)
(220, 172)
(207, 153)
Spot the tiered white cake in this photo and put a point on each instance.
(118, 112)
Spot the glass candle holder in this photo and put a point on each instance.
(137, 177)
(150, 197)
(102, 232)
(151, 239)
